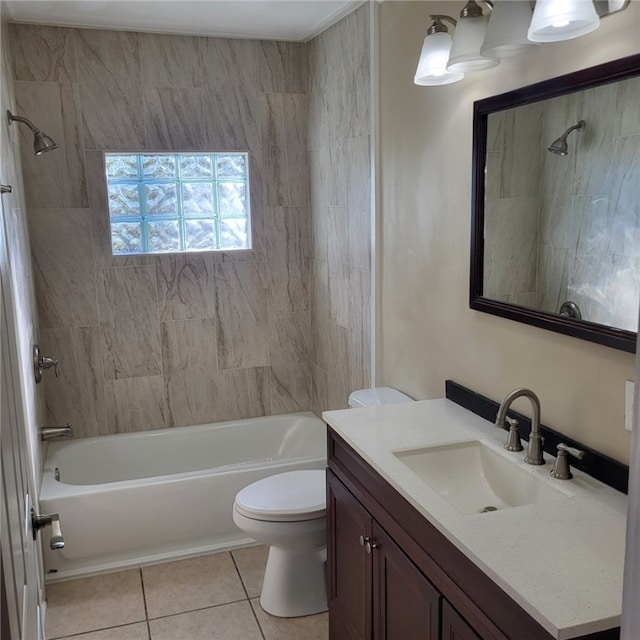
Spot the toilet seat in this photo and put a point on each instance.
(286, 497)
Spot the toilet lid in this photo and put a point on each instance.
(290, 496)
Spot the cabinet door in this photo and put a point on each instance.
(350, 566)
(454, 626)
(406, 605)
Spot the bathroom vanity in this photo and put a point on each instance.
(409, 561)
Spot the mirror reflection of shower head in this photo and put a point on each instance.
(560, 146)
(41, 141)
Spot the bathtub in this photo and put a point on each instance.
(130, 499)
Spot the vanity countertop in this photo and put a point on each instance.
(561, 561)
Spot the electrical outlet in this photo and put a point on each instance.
(628, 404)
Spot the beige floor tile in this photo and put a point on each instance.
(195, 583)
(226, 622)
(94, 603)
(305, 628)
(137, 631)
(251, 562)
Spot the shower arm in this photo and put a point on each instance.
(576, 127)
(11, 118)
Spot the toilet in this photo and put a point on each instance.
(287, 511)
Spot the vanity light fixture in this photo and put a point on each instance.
(41, 141)
(507, 30)
(468, 38)
(480, 41)
(555, 20)
(432, 65)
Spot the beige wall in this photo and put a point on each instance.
(427, 331)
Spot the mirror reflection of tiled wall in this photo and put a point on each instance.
(564, 228)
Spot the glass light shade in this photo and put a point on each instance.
(465, 50)
(507, 31)
(432, 65)
(555, 20)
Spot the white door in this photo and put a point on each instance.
(20, 561)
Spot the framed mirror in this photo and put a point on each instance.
(555, 238)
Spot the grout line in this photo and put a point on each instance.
(144, 601)
(80, 634)
(235, 564)
(255, 616)
(211, 606)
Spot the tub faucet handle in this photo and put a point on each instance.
(52, 520)
(40, 363)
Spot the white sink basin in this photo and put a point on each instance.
(474, 478)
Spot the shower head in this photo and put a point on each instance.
(41, 141)
(559, 146)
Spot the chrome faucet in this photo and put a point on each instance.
(534, 449)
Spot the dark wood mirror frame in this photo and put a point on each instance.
(562, 85)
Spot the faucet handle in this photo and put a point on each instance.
(513, 441)
(561, 469)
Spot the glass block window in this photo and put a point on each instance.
(178, 202)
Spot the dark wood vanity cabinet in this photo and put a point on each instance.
(375, 591)
(393, 576)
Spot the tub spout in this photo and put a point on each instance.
(49, 433)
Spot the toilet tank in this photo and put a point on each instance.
(377, 396)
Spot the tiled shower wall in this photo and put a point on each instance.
(340, 198)
(153, 341)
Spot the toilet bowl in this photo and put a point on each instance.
(287, 512)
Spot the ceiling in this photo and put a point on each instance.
(293, 20)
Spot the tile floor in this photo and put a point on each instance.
(212, 597)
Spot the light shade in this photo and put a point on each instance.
(555, 20)
(507, 30)
(432, 65)
(465, 50)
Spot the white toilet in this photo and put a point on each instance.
(287, 512)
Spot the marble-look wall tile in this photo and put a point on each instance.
(241, 309)
(339, 301)
(284, 120)
(55, 179)
(319, 397)
(63, 264)
(320, 313)
(628, 106)
(553, 278)
(594, 147)
(43, 53)
(243, 393)
(174, 119)
(511, 238)
(171, 60)
(135, 404)
(289, 342)
(186, 288)
(359, 202)
(190, 371)
(492, 186)
(520, 175)
(338, 388)
(229, 63)
(317, 205)
(232, 119)
(560, 222)
(495, 132)
(77, 395)
(358, 90)
(286, 177)
(111, 89)
(334, 157)
(288, 249)
(359, 336)
(128, 311)
(282, 67)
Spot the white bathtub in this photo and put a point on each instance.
(130, 499)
